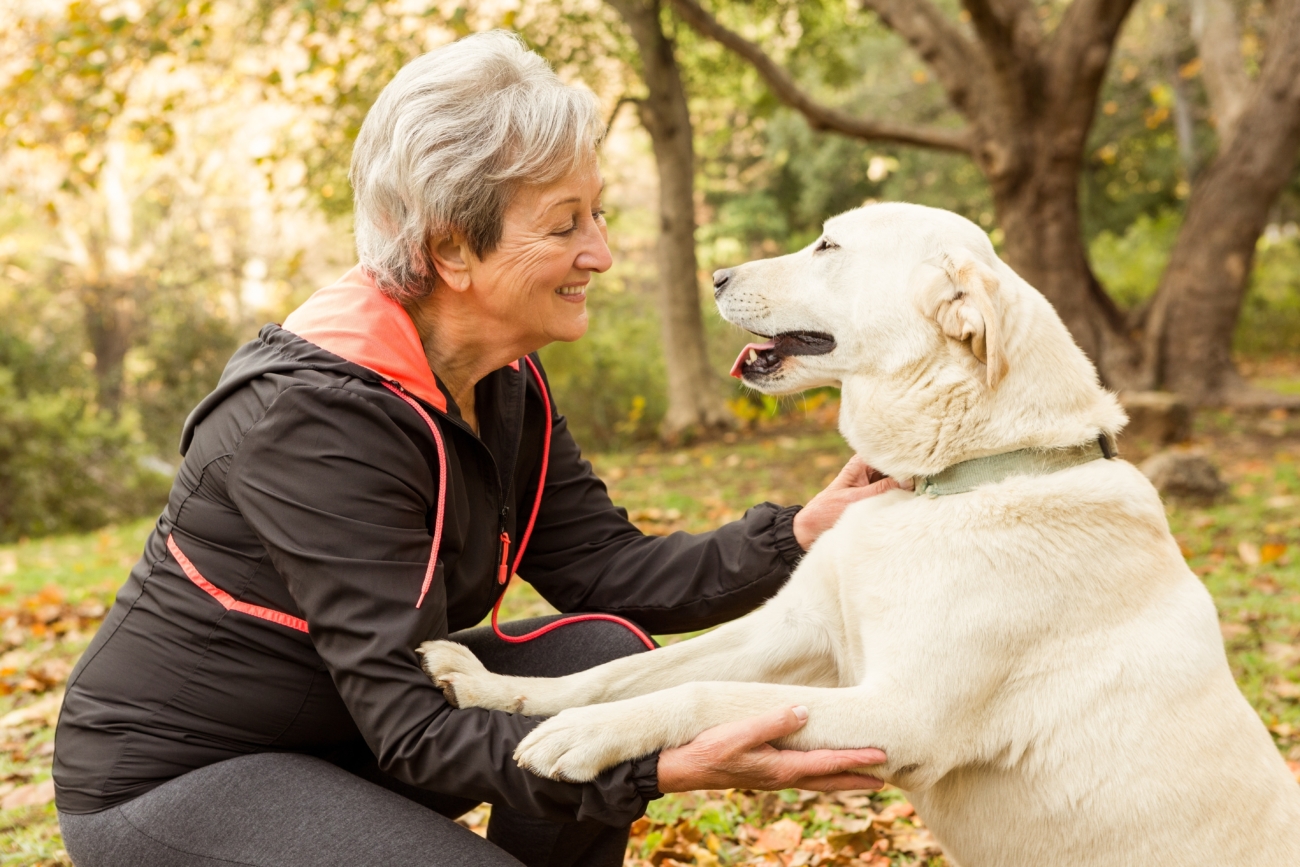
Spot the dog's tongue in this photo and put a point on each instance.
(744, 355)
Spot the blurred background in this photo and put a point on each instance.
(173, 175)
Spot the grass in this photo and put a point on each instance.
(1245, 548)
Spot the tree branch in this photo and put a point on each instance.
(959, 65)
(1078, 51)
(1009, 29)
(613, 115)
(819, 116)
(1218, 44)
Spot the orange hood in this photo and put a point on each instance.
(355, 321)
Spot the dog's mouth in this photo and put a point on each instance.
(764, 359)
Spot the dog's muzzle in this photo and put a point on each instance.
(764, 359)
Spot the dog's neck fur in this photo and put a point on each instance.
(924, 418)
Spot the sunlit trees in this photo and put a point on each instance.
(1024, 79)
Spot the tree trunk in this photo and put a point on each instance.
(1200, 295)
(695, 402)
(107, 309)
(1039, 217)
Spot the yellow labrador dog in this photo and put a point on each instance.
(1020, 634)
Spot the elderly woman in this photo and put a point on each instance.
(367, 477)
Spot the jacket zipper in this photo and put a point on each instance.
(503, 571)
(503, 567)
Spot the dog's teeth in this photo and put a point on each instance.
(753, 356)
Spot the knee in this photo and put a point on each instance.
(618, 639)
(583, 644)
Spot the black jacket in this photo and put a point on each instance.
(309, 488)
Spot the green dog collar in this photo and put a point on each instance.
(969, 475)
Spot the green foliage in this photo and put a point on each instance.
(186, 343)
(1129, 264)
(610, 384)
(1270, 317)
(64, 466)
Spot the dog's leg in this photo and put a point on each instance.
(581, 742)
(780, 643)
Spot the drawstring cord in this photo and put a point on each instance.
(505, 569)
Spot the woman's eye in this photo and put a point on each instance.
(598, 214)
(825, 244)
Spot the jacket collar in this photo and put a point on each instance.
(354, 320)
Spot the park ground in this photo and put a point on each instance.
(1245, 547)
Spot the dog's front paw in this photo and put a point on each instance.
(579, 743)
(463, 679)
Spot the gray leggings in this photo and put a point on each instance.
(290, 810)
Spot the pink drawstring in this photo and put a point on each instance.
(442, 488)
(503, 576)
(528, 532)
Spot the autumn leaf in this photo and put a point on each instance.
(780, 836)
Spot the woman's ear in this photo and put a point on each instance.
(451, 257)
(965, 302)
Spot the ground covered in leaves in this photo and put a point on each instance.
(1246, 547)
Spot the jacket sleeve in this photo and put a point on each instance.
(585, 555)
(341, 497)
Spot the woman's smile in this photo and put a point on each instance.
(574, 293)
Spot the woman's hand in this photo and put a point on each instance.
(738, 756)
(856, 481)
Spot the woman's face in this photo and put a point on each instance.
(534, 283)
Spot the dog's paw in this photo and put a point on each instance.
(578, 744)
(463, 679)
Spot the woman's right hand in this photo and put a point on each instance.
(738, 755)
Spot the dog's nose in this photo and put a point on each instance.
(720, 280)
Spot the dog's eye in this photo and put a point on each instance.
(825, 244)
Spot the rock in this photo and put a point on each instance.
(1184, 475)
(1156, 417)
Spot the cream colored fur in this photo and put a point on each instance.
(1044, 672)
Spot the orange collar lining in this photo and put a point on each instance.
(354, 320)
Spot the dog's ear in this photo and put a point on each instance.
(965, 302)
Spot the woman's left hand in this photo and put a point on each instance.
(737, 755)
(856, 481)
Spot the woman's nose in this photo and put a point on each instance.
(595, 255)
(721, 278)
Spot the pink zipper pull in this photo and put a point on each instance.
(503, 571)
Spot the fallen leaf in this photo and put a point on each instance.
(50, 672)
(31, 795)
(1233, 630)
(1267, 585)
(857, 840)
(1249, 553)
(780, 836)
(703, 857)
(897, 810)
(1282, 653)
(921, 842)
(1284, 688)
(1271, 552)
(46, 710)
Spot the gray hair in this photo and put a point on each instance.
(449, 141)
